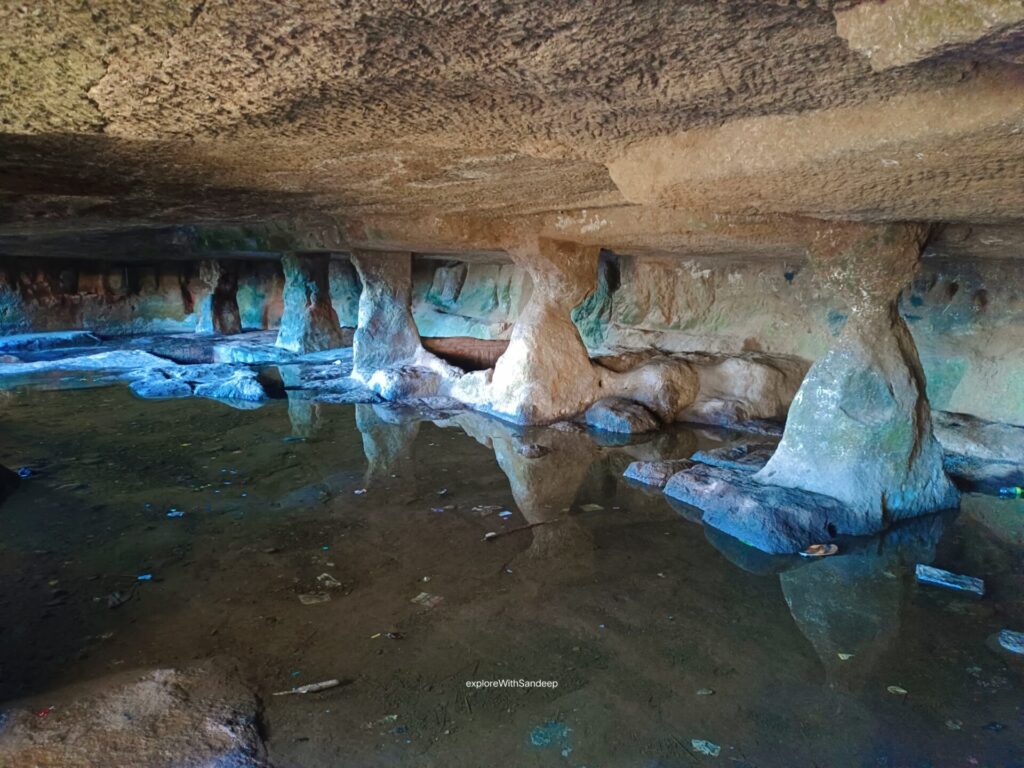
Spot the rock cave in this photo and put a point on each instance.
(505, 383)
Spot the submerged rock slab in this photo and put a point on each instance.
(745, 457)
(770, 518)
(201, 717)
(616, 414)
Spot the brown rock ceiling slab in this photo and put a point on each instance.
(120, 114)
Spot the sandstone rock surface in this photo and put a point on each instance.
(201, 717)
(309, 322)
(860, 429)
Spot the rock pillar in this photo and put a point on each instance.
(309, 322)
(546, 374)
(386, 335)
(859, 429)
(216, 303)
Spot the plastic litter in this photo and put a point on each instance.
(1012, 492)
(427, 600)
(486, 509)
(24, 472)
(172, 512)
(1012, 641)
(705, 692)
(314, 598)
(144, 577)
(117, 599)
(491, 535)
(591, 507)
(359, 491)
(504, 513)
(896, 690)
(310, 688)
(820, 550)
(926, 574)
(708, 748)
(328, 581)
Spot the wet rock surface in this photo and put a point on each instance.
(199, 716)
(980, 455)
(860, 429)
(770, 518)
(746, 457)
(655, 473)
(616, 414)
(309, 322)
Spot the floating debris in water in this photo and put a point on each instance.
(1012, 641)
(926, 574)
(486, 509)
(552, 733)
(1012, 492)
(314, 598)
(328, 581)
(705, 692)
(897, 690)
(591, 507)
(172, 512)
(820, 550)
(427, 600)
(310, 688)
(844, 656)
(359, 491)
(708, 748)
(24, 472)
(504, 513)
(144, 577)
(117, 599)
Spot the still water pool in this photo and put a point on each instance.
(335, 541)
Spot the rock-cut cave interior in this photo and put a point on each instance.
(511, 383)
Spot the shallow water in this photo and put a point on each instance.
(632, 607)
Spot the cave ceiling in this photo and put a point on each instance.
(437, 125)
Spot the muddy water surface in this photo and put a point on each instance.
(310, 534)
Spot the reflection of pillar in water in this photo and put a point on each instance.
(388, 440)
(545, 474)
(850, 603)
(303, 412)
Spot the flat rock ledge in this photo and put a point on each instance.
(745, 457)
(770, 518)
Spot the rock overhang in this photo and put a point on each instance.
(171, 114)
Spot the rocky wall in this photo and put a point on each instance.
(966, 315)
(115, 299)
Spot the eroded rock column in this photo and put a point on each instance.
(388, 356)
(309, 322)
(386, 335)
(859, 429)
(546, 374)
(216, 302)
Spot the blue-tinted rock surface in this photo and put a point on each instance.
(771, 518)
